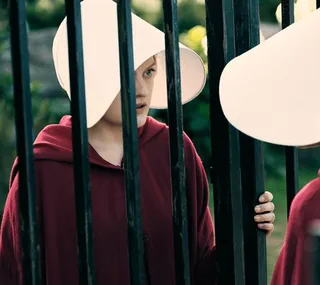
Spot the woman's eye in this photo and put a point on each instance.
(149, 72)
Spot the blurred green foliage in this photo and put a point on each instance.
(44, 112)
(268, 9)
(43, 14)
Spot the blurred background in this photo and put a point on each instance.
(50, 103)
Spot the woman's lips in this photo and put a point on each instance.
(140, 107)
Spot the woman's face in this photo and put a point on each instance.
(144, 82)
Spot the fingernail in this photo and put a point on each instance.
(257, 208)
(262, 199)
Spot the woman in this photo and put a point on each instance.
(54, 168)
(285, 112)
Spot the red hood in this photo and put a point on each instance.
(54, 142)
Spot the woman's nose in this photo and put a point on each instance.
(141, 87)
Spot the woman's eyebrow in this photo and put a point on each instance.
(151, 65)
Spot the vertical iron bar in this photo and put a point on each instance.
(292, 163)
(131, 144)
(292, 174)
(225, 174)
(175, 119)
(287, 13)
(23, 121)
(4, 4)
(80, 145)
(247, 34)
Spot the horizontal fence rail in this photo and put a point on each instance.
(131, 144)
(225, 174)
(23, 123)
(175, 116)
(80, 145)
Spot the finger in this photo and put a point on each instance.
(267, 207)
(265, 218)
(269, 228)
(266, 197)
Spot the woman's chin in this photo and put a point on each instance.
(141, 120)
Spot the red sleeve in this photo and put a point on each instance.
(202, 240)
(293, 264)
(10, 255)
(11, 268)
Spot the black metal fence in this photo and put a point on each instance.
(232, 28)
